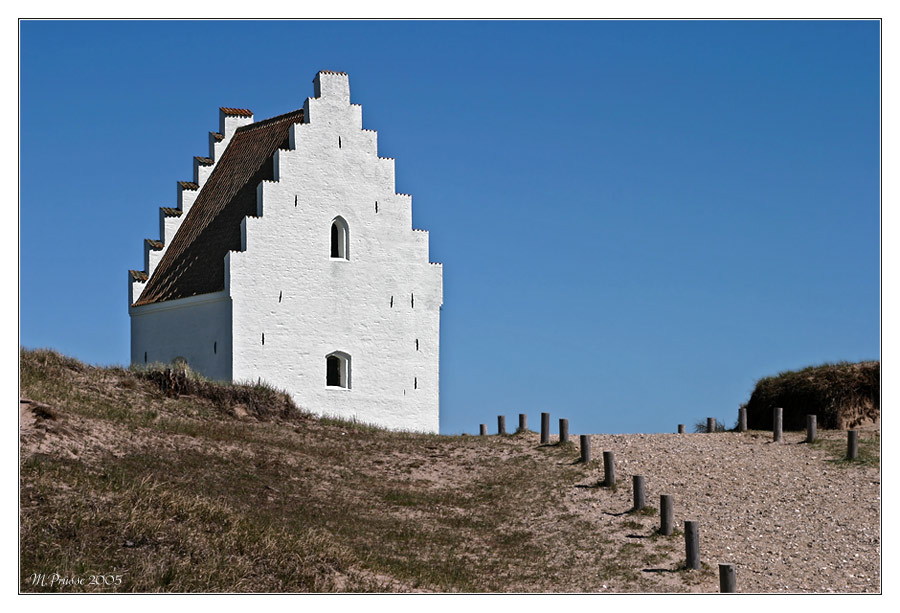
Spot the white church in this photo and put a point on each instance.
(290, 258)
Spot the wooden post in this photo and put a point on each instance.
(776, 424)
(680, 428)
(545, 428)
(501, 424)
(742, 419)
(523, 422)
(563, 431)
(585, 448)
(483, 429)
(692, 544)
(638, 487)
(609, 469)
(727, 583)
(710, 424)
(666, 515)
(810, 428)
(852, 444)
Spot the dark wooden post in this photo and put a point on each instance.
(638, 487)
(776, 424)
(483, 429)
(585, 448)
(727, 583)
(852, 444)
(523, 422)
(810, 428)
(710, 424)
(666, 515)
(609, 469)
(680, 428)
(563, 431)
(742, 419)
(501, 424)
(545, 428)
(692, 544)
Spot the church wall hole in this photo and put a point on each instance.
(340, 239)
(337, 370)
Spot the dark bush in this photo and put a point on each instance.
(841, 396)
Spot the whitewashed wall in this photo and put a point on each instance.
(197, 328)
(286, 286)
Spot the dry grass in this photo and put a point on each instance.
(154, 475)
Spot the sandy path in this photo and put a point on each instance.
(790, 519)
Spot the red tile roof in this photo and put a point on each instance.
(155, 245)
(204, 161)
(170, 212)
(217, 135)
(194, 263)
(188, 185)
(138, 275)
(236, 112)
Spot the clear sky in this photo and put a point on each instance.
(637, 219)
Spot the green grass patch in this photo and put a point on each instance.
(868, 451)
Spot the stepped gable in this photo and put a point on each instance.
(194, 263)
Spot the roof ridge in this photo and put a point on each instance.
(265, 122)
(235, 111)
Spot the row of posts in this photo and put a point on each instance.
(727, 578)
(666, 506)
(523, 427)
(777, 429)
(727, 574)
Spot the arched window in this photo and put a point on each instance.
(337, 370)
(340, 239)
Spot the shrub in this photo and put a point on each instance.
(841, 396)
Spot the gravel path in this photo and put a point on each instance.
(787, 515)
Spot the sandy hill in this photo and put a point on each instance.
(174, 484)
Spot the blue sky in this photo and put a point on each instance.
(637, 219)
